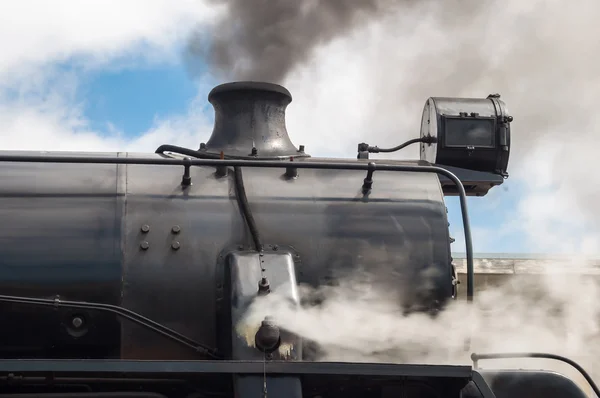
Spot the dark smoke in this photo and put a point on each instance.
(267, 39)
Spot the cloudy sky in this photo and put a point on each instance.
(119, 75)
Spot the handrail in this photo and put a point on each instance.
(370, 167)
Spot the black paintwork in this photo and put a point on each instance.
(476, 183)
(325, 378)
(124, 230)
(328, 380)
(60, 234)
(469, 133)
(133, 368)
(530, 384)
(322, 214)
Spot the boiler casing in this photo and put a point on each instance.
(130, 235)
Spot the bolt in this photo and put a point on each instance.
(175, 245)
(77, 322)
(145, 228)
(144, 245)
(176, 229)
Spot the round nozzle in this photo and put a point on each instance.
(268, 337)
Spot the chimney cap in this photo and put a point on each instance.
(250, 122)
(252, 86)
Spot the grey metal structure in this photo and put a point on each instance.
(144, 264)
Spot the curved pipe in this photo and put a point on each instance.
(476, 357)
(120, 311)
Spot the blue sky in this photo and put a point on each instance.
(110, 75)
(130, 99)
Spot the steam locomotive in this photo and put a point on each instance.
(128, 274)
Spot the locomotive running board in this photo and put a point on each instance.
(311, 373)
(451, 379)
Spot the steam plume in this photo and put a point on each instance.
(266, 39)
(359, 323)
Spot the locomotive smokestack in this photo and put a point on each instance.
(250, 121)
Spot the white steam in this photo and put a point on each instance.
(358, 321)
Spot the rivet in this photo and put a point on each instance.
(144, 245)
(176, 229)
(77, 322)
(175, 245)
(145, 228)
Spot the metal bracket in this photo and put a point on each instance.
(186, 179)
(368, 181)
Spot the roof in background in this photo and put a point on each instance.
(523, 263)
(528, 256)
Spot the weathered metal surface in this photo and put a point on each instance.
(250, 121)
(105, 233)
(60, 234)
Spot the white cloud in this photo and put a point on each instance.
(38, 32)
(38, 104)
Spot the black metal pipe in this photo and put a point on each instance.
(120, 311)
(514, 355)
(183, 151)
(376, 149)
(245, 208)
(276, 164)
(206, 155)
